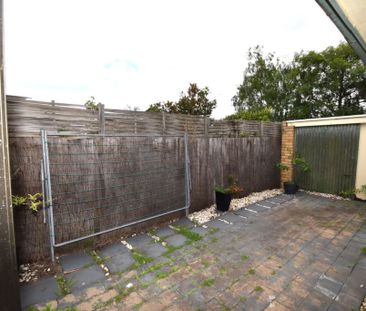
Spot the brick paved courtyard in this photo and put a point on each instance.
(285, 253)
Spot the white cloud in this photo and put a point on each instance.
(138, 52)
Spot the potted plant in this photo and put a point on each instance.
(224, 195)
(290, 187)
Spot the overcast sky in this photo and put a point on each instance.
(138, 52)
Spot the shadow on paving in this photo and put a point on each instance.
(298, 252)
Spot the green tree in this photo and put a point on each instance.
(264, 114)
(194, 102)
(314, 84)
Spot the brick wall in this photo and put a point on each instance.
(287, 151)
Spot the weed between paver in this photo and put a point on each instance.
(244, 258)
(251, 271)
(153, 268)
(258, 289)
(140, 258)
(208, 282)
(190, 235)
(97, 259)
(213, 230)
(64, 286)
(363, 250)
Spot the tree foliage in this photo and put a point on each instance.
(264, 114)
(313, 84)
(194, 102)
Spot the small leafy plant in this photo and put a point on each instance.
(298, 163)
(91, 104)
(350, 194)
(233, 188)
(32, 201)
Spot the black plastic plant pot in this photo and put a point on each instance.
(223, 201)
(290, 187)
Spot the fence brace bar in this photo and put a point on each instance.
(48, 191)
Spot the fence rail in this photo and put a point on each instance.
(26, 118)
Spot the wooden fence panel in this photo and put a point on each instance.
(27, 117)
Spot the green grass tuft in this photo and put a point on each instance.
(258, 289)
(244, 258)
(64, 286)
(208, 282)
(363, 250)
(140, 258)
(190, 235)
(251, 271)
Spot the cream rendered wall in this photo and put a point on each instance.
(361, 162)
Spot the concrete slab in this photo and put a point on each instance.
(119, 263)
(184, 222)
(85, 277)
(164, 232)
(113, 250)
(38, 292)
(176, 240)
(76, 261)
(140, 240)
(154, 250)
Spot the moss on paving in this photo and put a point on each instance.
(208, 282)
(251, 271)
(244, 257)
(190, 235)
(140, 258)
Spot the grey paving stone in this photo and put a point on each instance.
(348, 301)
(362, 263)
(76, 261)
(154, 250)
(120, 263)
(184, 222)
(200, 230)
(164, 232)
(222, 226)
(253, 304)
(269, 202)
(231, 217)
(140, 240)
(247, 212)
(328, 286)
(42, 290)
(85, 277)
(316, 301)
(113, 250)
(148, 277)
(176, 240)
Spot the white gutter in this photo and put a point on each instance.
(354, 119)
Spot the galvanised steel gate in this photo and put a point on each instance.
(95, 184)
(331, 152)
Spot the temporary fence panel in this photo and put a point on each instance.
(97, 184)
(331, 152)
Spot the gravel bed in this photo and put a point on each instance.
(211, 212)
(325, 195)
(32, 272)
(363, 305)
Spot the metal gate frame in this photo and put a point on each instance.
(47, 191)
